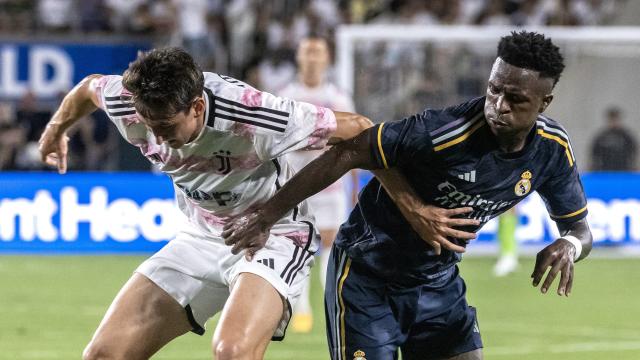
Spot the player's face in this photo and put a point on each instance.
(515, 97)
(313, 56)
(180, 129)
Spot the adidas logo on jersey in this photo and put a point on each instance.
(470, 176)
(267, 262)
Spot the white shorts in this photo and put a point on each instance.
(198, 271)
(329, 209)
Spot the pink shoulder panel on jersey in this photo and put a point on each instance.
(325, 126)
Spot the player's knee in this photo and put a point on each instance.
(232, 349)
(95, 351)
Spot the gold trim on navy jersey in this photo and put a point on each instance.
(577, 212)
(380, 148)
(458, 134)
(557, 134)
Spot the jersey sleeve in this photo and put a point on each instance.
(397, 142)
(276, 125)
(563, 193)
(117, 103)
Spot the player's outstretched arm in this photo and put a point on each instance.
(348, 126)
(79, 102)
(250, 232)
(561, 255)
(434, 224)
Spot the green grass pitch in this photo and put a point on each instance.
(50, 306)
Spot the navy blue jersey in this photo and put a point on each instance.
(451, 159)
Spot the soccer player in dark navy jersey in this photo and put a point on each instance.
(387, 287)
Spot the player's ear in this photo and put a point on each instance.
(199, 106)
(546, 100)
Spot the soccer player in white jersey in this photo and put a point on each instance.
(219, 140)
(328, 206)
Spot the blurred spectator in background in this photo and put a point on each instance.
(56, 15)
(507, 244)
(493, 14)
(92, 16)
(594, 12)
(276, 70)
(614, 148)
(93, 144)
(121, 13)
(254, 40)
(33, 118)
(330, 205)
(12, 137)
(192, 29)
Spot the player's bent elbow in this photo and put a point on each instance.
(363, 122)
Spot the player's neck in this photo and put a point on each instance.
(200, 126)
(311, 80)
(513, 143)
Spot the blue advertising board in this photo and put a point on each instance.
(86, 212)
(135, 212)
(47, 69)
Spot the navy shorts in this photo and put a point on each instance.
(369, 318)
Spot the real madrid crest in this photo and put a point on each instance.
(359, 355)
(524, 185)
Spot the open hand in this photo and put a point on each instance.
(248, 232)
(559, 256)
(435, 224)
(53, 148)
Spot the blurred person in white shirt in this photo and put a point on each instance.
(330, 205)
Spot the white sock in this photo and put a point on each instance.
(304, 305)
(324, 262)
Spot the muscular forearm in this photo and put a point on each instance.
(348, 126)
(78, 103)
(399, 190)
(314, 177)
(580, 230)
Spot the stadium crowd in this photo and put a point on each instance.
(255, 41)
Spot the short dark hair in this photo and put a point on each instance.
(163, 82)
(530, 50)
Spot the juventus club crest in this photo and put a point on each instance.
(524, 185)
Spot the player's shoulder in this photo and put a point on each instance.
(554, 137)
(223, 85)
(453, 119)
(111, 86)
(549, 125)
(552, 132)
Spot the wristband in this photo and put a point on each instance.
(576, 243)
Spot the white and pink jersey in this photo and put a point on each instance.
(325, 95)
(234, 163)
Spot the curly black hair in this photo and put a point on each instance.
(530, 50)
(164, 82)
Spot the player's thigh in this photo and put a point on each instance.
(250, 316)
(360, 322)
(449, 326)
(141, 319)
